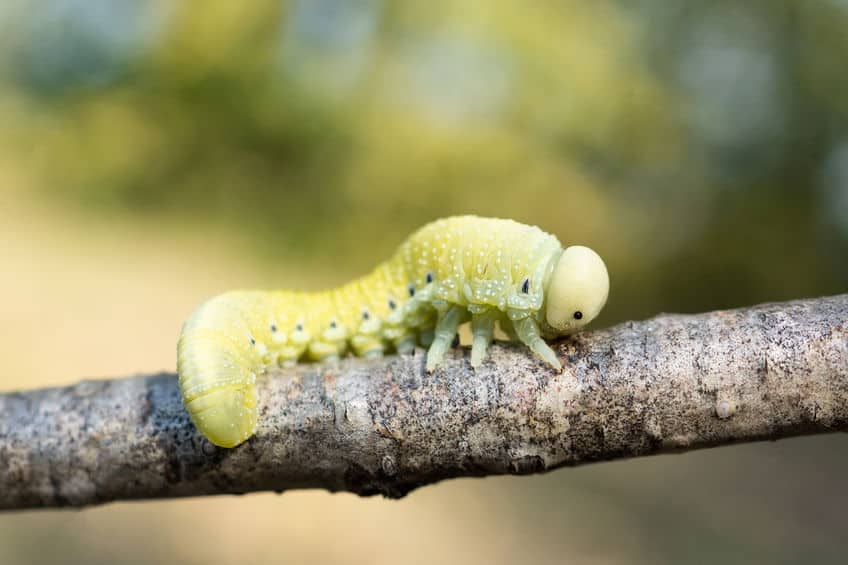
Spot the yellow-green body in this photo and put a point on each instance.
(449, 271)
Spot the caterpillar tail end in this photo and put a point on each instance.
(226, 416)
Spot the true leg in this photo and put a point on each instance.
(483, 330)
(528, 333)
(505, 324)
(446, 326)
(426, 336)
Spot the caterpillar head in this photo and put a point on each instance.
(577, 291)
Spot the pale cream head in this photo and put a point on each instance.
(577, 291)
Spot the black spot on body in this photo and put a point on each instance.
(429, 277)
(525, 286)
(273, 327)
(411, 290)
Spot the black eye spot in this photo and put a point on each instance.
(411, 290)
(273, 327)
(525, 286)
(578, 315)
(333, 324)
(366, 315)
(392, 304)
(430, 277)
(252, 341)
(299, 327)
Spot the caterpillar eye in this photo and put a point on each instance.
(429, 277)
(411, 290)
(392, 304)
(525, 286)
(252, 341)
(273, 327)
(578, 315)
(333, 324)
(366, 315)
(299, 327)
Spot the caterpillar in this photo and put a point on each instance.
(450, 271)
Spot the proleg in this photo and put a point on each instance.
(483, 270)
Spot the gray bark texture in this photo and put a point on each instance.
(671, 383)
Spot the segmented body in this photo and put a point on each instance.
(445, 273)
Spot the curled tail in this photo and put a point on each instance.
(217, 360)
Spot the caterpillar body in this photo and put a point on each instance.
(450, 271)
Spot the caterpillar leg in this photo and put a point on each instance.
(446, 327)
(483, 331)
(426, 337)
(528, 333)
(506, 327)
(395, 332)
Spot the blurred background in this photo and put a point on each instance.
(155, 153)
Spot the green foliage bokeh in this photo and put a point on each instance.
(688, 144)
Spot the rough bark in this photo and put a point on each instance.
(670, 383)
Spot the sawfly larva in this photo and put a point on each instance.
(450, 271)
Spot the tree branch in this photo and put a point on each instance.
(671, 383)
